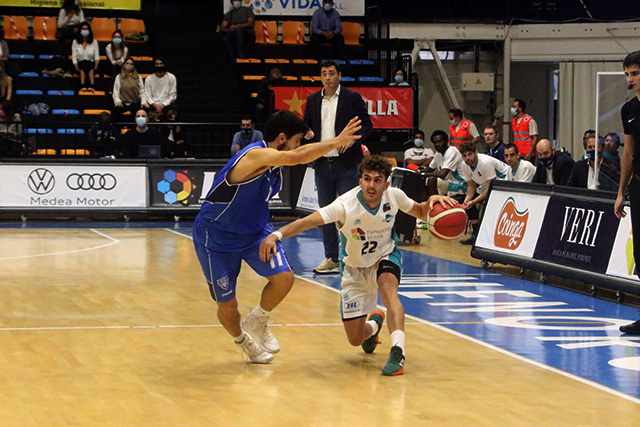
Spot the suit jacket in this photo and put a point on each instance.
(350, 104)
(608, 178)
(562, 167)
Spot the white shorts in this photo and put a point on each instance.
(359, 293)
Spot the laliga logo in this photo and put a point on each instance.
(511, 226)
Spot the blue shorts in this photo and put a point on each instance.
(221, 269)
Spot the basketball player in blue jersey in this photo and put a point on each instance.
(233, 221)
(369, 255)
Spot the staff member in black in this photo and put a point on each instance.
(630, 162)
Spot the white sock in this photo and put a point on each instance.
(240, 338)
(374, 328)
(260, 312)
(397, 338)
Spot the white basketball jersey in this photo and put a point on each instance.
(366, 235)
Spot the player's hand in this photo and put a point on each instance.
(443, 200)
(468, 204)
(309, 135)
(618, 208)
(268, 248)
(345, 147)
(347, 136)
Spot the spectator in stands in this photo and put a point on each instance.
(85, 56)
(460, 129)
(70, 19)
(161, 88)
(141, 135)
(554, 167)
(495, 146)
(479, 170)
(612, 143)
(263, 107)
(128, 91)
(10, 67)
(238, 25)
(583, 174)
(174, 137)
(326, 27)
(102, 136)
(418, 155)
(10, 131)
(247, 135)
(117, 52)
(6, 84)
(399, 78)
(521, 171)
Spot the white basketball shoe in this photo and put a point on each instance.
(255, 353)
(258, 327)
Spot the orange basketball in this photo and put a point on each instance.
(447, 222)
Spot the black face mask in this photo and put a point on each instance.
(160, 69)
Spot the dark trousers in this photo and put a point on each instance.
(236, 39)
(337, 41)
(117, 112)
(332, 180)
(634, 198)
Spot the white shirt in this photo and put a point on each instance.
(116, 90)
(452, 160)
(64, 20)
(486, 169)
(85, 53)
(111, 55)
(524, 171)
(161, 90)
(418, 153)
(365, 235)
(328, 119)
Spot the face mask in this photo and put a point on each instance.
(76, 2)
(546, 162)
(141, 121)
(399, 79)
(159, 69)
(418, 142)
(591, 154)
(237, 4)
(84, 33)
(246, 131)
(453, 122)
(117, 40)
(327, 6)
(514, 111)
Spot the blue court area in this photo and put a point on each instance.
(573, 334)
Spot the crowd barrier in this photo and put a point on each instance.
(567, 232)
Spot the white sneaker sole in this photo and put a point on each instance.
(331, 271)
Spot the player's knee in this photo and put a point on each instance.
(228, 308)
(283, 280)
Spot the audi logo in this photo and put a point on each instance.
(41, 181)
(91, 181)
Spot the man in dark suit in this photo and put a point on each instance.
(583, 175)
(326, 113)
(553, 167)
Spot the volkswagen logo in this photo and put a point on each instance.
(41, 181)
(91, 181)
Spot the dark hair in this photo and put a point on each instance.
(511, 145)
(246, 118)
(283, 121)
(440, 133)
(419, 131)
(467, 147)
(159, 58)
(79, 36)
(402, 71)
(375, 163)
(68, 5)
(614, 136)
(330, 63)
(632, 59)
(494, 127)
(456, 112)
(521, 104)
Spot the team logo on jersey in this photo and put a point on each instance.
(386, 207)
(357, 222)
(511, 227)
(358, 234)
(223, 282)
(388, 218)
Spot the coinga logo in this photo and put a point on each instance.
(511, 227)
(41, 181)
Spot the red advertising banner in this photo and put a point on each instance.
(389, 107)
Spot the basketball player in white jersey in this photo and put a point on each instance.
(369, 255)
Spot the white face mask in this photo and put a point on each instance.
(418, 142)
(84, 33)
(141, 121)
(327, 6)
(237, 4)
(514, 111)
(453, 122)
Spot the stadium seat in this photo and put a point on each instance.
(39, 131)
(276, 61)
(95, 112)
(305, 61)
(252, 77)
(266, 32)
(28, 92)
(310, 78)
(70, 131)
(393, 161)
(21, 56)
(290, 78)
(74, 152)
(248, 60)
(61, 92)
(48, 56)
(130, 25)
(370, 79)
(103, 28)
(46, 152)
(351, 33)
(64, 112)
(293, 32)
(142, 58)
(361, 62)
(44, 28)
(347, 79)
(88, 92)
(15, 27)
(29, 74)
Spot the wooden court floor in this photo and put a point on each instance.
(116, 327)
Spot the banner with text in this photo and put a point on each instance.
(389, 107)
(308, 197)
(72, 187)
(299, 7)
(84, 4)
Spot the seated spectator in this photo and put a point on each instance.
(175, 147)
(141, 136)
(238, 25)
(102, 136)
(612, 143)
(521, 170)
(117, 52)
(554, 167)
(69, 19)
(161, 88)
(399, 78)
(85, 56)
(263, 106)
(583, 174)
(10, 131)
(10, 67)
(247, 135)
(418, 155)
(495, 146)
(128, 91)
(6, 85)
(326, 27)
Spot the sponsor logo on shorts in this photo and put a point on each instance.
(223, 282)
(351, 306)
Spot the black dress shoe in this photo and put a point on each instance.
(631, 328)
(470, 241)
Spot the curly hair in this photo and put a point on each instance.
(375, 163)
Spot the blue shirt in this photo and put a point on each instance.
(240, 140)
(326, 21)
(497, 152)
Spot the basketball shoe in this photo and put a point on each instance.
(327, 266)
(631, 328)
(395, 363)
(370, 344)
(259, 327)
(255, 353)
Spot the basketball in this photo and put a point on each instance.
(447, 222)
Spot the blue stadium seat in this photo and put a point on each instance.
(347, 79)
(29, 74)
(338, 61)
(38, 131)
(21, 56)
(65, 112)
(370, 79)
(361, 62)
(71, 131)
(61, 92)
(50, 56)
(28, 92)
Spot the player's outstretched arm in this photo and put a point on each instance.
(268, 245)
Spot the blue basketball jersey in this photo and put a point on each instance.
(238, 213)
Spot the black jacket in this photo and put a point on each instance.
(562, 167)
(608, 178)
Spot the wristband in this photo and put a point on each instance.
(277, 234)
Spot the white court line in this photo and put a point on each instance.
(113, 242)
(178, 233)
